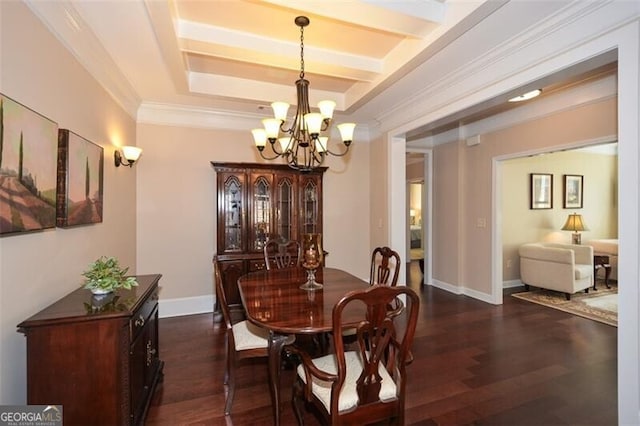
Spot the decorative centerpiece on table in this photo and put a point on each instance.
(312, 256)
(105, 275)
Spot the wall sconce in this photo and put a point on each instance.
(130, 155)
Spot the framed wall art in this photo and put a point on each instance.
(28, 149)
(80, 180)
(572, 197)
(541, 191)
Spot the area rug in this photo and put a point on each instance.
(600, 305)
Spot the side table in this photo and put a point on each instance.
(601, 262)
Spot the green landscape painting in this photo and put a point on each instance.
(28, 153)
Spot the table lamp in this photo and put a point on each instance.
(576, 224)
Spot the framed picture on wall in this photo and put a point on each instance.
(28, 149)
(80, 173)
(541, 191)
(572, 198)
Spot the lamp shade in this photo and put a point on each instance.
(346, 132)
(326, 109)
(313, 121)
(285, 143)
(259, 137)
(321, 144)
(575, 223)
(271, 127)
(131, 153)
(280, 110)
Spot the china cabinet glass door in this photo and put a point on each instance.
(233, 208)
(285, 209)
(309, 207)
(261, 209)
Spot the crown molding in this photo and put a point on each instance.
(186, 116)
(500, 67)
(203, 118)
(65, 23)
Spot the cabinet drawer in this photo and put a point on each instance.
(141, 316)
(256, 265)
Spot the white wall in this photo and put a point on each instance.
(39, 268)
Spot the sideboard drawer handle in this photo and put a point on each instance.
(140, 321)
(151, 351)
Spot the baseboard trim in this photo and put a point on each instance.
(512, 283)
(447, 287)
(484, 297)
(186, 306)
(459, 290)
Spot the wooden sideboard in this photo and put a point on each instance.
(255, 203)
(98, 358)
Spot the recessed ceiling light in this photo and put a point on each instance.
(526, 96)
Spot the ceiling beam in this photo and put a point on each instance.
(260, 92)
(254, 48)
(163, 15)
(429, 10)
(414, 22)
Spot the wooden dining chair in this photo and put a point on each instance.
(384, 271)
(385, 266)
(368, 384)
(243, 340)
(282, 254)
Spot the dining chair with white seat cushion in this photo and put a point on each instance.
(368, 384)
(243, 340)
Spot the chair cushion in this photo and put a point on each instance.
(249, 336)
(583, 271)
(348, 395)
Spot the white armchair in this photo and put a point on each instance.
(561, 267)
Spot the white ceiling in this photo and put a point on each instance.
(238, 56)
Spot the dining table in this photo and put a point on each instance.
(274, 300)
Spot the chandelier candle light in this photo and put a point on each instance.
(302, 147)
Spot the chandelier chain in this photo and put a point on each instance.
(301, 52)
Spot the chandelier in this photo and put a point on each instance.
(303, 147)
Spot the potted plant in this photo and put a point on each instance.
(105, 275)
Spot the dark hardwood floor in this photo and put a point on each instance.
(475, 364)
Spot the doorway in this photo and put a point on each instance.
(418, 214)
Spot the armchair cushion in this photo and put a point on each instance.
(583, 271)
(349, 395)
(249, 336)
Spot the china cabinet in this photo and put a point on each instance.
(257, 202)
